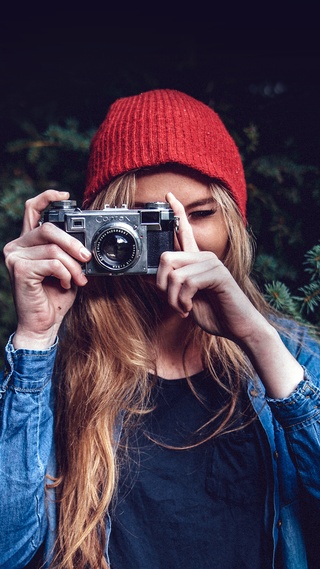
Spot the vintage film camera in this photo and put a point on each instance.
(122, 241)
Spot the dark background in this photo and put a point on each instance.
(74, 63)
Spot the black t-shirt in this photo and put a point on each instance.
(198, 508)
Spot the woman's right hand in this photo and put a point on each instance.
(45, 271)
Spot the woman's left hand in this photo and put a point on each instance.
(198, 283)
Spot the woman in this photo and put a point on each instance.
(181, 413)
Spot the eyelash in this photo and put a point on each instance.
(201, 213)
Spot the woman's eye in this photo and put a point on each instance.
(201, 213)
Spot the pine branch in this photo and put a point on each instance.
(304, 306)
(313, 262)
(67, 137)
(280, 298)
(311, 297)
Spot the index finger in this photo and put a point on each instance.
(185, 235)
(35, 206)
(51, 235)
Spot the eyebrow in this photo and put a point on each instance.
(197, 203)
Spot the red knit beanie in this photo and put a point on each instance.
(159, 127)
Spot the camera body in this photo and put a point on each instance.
(122, 241)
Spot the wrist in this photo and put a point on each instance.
(23, 340)
(279, 371)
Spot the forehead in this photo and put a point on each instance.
(154, 185)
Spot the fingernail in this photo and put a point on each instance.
(84, 279)
(84, 253)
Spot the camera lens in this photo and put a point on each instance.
(116, 248)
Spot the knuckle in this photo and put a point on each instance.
(52, 250)
(46, 229)
(9, 262)
(8, 248)
(174, 278)
(48, 232)
(55, 265)
(165, 258)
(29, 204)
(10, 257)
(19, 267)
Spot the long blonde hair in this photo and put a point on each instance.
(105, 353)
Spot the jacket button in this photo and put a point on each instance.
(276, 454)
(279, 523)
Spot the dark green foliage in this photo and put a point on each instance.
(280, 298)
(305, 304)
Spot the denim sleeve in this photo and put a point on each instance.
(26, 445)
(299, 415)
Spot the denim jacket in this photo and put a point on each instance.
(291, 451)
